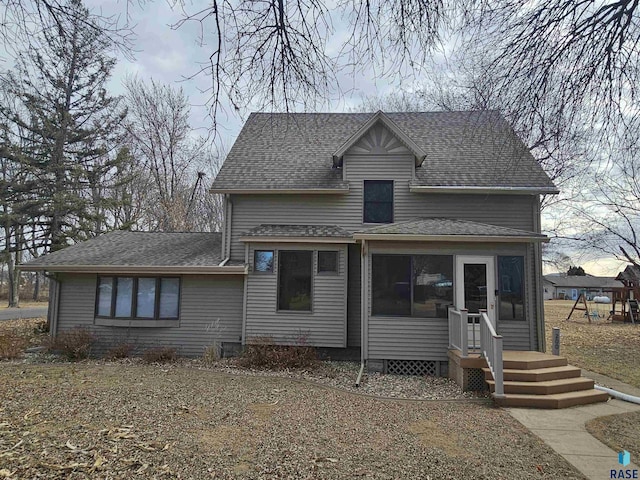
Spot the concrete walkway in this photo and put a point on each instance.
(26, 312)
(564, 430)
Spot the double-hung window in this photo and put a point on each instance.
(138, 297)
(378, 201)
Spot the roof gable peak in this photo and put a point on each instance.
(383, 119)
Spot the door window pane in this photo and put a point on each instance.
(378, 201)
(294, 280)
(391, 285)
(328, 262)
(169, 297)
(124, 295)
(511, 279)
(104, 296)
(475, 287)
(432, 285)
(263, 261)
(146, 298)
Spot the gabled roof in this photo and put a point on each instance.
(583, 281)
(384, 119)
(447, 229)
(297, 233)
(122, 251)
(630, 274)
(293, 153)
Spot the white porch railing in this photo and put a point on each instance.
(491, 348)
(458, 330)
(462, 335)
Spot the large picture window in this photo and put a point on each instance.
(295, 269)
(378, 201)
(412, 285)
(511, 280)
(138, 297)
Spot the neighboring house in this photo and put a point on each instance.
(352, 230)
(570, 287)
(630, 276)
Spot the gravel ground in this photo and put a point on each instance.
(343, 375)
(116, 421)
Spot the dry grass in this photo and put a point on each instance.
(619, 432)
(117, 421)
(27, 332)
(612, 349)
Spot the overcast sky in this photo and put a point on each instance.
(172, 56)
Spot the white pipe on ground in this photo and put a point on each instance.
(619, 395)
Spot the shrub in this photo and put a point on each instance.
(262, 352)
(74, 344)
(121, 350)
(211, 355)
(160, 355)
(12, 345)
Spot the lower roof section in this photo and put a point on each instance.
(297, 234)
(447, 230)
(142, 253)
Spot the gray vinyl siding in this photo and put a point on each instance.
(354, 319)
(324, 326)
(408, 338)
(204, 299)
(249, 211)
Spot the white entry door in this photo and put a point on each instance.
(476, 290)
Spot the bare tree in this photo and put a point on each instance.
(23, 21)
(173, 158)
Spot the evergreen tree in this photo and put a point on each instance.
(73, 127)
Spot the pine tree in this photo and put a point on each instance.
(73, 127)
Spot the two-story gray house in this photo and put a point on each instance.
(347, 230)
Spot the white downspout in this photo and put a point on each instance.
(363, 309)
(616, 394)
(226, 228)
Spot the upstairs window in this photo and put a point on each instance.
(378, 201)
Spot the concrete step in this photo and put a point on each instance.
(537, 374)
(531, 360)
(556, 400)
(548, 387)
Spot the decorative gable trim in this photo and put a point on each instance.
(381, 117)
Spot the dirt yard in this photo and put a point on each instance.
(612, 349)
(113, 421)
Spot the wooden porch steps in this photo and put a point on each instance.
(537, 380)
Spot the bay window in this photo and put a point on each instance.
(138, 297)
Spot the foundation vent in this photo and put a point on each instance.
(412, 367)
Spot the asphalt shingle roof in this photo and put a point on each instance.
(447, 226)
(120, 248)
(294, 151)
(298, 231)
(586, 281)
